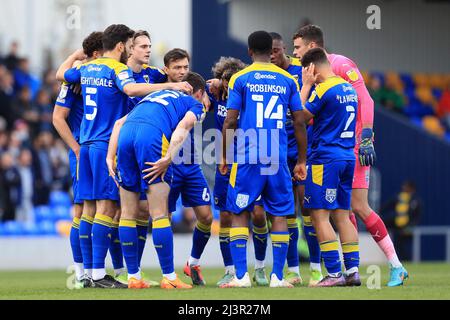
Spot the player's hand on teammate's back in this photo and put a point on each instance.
(308, 76)
(300, 172)
(157, 169)
(367, 155)
(182, 86)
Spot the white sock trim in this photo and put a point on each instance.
(193, 261)
(171, 276)
(98, 274)
(259, 264)
(294, 269)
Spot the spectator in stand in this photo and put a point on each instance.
(443, 108)
(42, 168)
(7, 97)
(390, 95)
(4, 140)
(22, 75)
(10, 187)
(45, 108)
(403, 213)
(28, 110)
(11, 61)
(25, 209)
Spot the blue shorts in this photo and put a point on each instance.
(221, 189)
(94, 181)
(329, 186)
(140, 143)
(248, 183)
(73, 164)
(189, 181)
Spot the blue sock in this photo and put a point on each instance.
(330, 255)
(86, 240)
(115, 248)
(350, 251)
(292, 254)
(163, 242)
(311, 239)
(280, 243)
(260, 235)
(142, 231)
(100, 239)
(200, 238)
(224, 240)
(238, 246)
(75, 241)
(129, 241)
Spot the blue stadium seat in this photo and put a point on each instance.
(437, 93)
(42, 213)
(31, 229)
(13, 228)
(407, 80)
(62, 213)
(60, 198)
(417, 121)
(47, 227)
(2, 230)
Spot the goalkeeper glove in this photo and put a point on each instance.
(367, 154)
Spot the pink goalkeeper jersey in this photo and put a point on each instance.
(347, 69)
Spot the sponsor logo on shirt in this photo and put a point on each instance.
(259, 76)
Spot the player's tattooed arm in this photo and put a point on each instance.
(112, 147)
(229, 127)
(180, 134)
(78, 55)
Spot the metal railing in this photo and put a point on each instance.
(418, 232)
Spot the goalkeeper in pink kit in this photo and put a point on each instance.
(309, 37)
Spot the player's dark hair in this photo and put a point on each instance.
(276, 36)
(260, 42)
(175, 55)
(196, 81)
(316, 56)
(115, 34)
(310, 33)
(227, 65)
(93, 43)
(141, 33)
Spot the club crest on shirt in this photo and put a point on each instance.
(330, 195)
(242, 200)
(352, 75)
(146, 78)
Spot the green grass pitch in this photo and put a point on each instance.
(427, 281)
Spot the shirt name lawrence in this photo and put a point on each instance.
(347, 98)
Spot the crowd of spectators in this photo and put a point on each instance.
(423, 98)
(33, 160)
